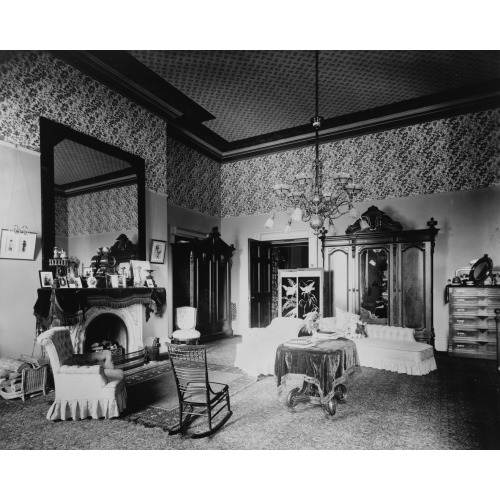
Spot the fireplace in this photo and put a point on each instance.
(106, 331)
(121, 326)
(96, 315)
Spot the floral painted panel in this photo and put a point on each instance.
(457, 153)
(34, 84)
(193, 179)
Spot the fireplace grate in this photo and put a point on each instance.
(130, 360)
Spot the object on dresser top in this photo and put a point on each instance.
(257, 351)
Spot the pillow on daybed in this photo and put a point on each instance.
(327, 325)
(349, 324)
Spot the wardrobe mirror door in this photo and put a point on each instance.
(373, 281)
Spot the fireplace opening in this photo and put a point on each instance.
(106, 331)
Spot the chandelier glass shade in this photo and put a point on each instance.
(307, 199)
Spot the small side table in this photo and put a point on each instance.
(325, 366)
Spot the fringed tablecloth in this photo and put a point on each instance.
(68, 305)
(328, 362)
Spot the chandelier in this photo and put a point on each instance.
(305, 199)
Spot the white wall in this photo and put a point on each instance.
(469, 227)
(20, 204)
(156, 228)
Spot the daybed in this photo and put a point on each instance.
(382, 346)
(257, 352)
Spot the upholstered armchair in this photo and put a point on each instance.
(86, 385)
(257, 352)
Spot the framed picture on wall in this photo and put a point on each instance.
(158, 250)
(300, 291)
(17, 244)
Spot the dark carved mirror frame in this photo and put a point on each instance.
(51, 134)
(481, 270)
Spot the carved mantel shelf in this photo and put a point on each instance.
(69, 305)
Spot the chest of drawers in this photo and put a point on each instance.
(473, 329)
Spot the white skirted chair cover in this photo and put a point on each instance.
(87, 385)
(185, 319)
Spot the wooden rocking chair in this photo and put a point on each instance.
(197, 395)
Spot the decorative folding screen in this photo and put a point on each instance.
(300, 291)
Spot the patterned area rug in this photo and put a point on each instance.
(456, 407)
(152, 394)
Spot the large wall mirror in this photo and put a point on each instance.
(92, 193)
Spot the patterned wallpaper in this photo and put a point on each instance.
(457, 153)
(61, 215)
(34, 84)
(99, 212)
(193, 179)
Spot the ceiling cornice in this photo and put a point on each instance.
(123, 73)
(363, 124)
(126, 75)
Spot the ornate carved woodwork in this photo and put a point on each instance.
(202, 279)
(405, 284)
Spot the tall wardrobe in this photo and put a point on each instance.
(202, 279)
(382, 273)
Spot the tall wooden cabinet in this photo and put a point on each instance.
(382, 273)
(202, 279)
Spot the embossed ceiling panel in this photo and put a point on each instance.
(74, 162)
(258, 92)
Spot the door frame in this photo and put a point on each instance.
(299, 236)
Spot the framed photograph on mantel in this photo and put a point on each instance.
(158, 250)
(46, 279)
(300, 291)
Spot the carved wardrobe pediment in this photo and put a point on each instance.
(376, 220)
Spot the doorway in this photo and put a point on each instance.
(265, 259)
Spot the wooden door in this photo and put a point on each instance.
(260, 269)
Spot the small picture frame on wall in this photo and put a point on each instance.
(17, 244)
(46, 279)
(158, 250)
(87, 272)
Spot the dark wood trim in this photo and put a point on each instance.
(118, 176)
(377, 120)
(86, 189)
(51, 134)
(118, 70)
(123, 73)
